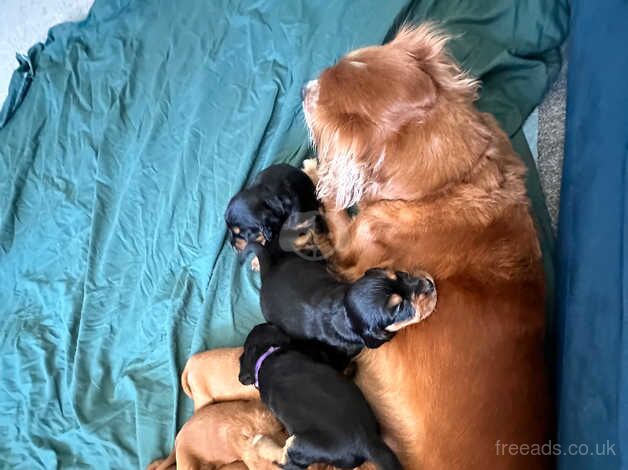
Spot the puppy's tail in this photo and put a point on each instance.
(382, 456)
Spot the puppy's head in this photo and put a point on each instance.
(255, 215)
(258, 341)
(382, 302)
(364, 112)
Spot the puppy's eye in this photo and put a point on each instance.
(394, 301)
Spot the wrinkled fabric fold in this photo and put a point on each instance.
(116, 164)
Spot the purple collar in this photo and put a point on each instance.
(260, 361)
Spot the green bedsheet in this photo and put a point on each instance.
(122, 140)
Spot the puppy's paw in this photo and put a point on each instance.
(255, 264)
(154, 465)
(350, 370)
(310, 168)
(169, 463)
(268, 449)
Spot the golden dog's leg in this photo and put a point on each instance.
(352, 239)
(339, 224)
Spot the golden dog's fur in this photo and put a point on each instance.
(438, 188)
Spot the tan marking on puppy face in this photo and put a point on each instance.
(391, 275)
(394, 300)
(240, 244)
(236, 230)
(261, 239)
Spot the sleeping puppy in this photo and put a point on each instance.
(303, 299)
(222, 436)
(211, 376)
(326, 415)
(280, 195)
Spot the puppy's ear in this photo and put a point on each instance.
(277, 209)
(375, 338)
(280, 205)
(247, 366)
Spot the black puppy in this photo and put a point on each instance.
(280, 195)
(307, 302)
(326, 415)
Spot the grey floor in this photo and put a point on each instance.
(25, 22)
(551, 141)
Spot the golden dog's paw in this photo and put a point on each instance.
(255, 264)
(310, 168)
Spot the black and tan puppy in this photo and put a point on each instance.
(307, 302)
(281, 195)
(327, 417)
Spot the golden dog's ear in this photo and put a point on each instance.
(426, 44)
(398, 113)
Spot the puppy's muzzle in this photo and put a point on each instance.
(421, 284)
(423, 297)
(238, 243)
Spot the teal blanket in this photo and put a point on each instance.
(120, 144)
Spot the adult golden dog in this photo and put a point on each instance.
(439, 188)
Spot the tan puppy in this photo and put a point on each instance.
(212, 376)
(221, 436)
